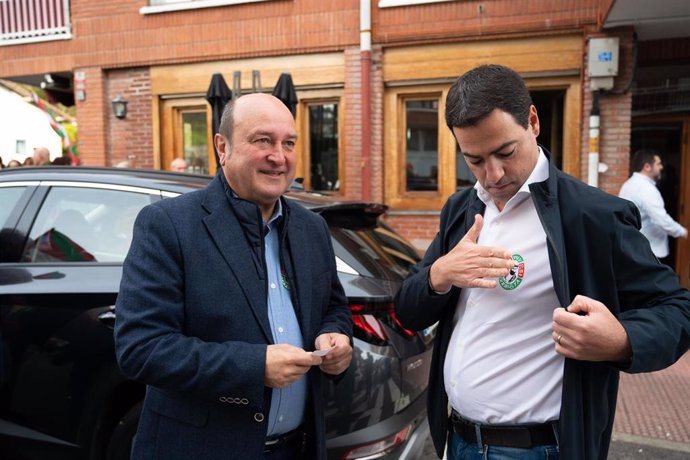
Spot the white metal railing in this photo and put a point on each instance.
(26, 21)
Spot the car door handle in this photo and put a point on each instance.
(108, 317)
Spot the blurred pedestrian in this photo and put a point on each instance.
(178, 165)
(543, 289)
(641, 189)
(61, 161)
(124, 164)
(41, 156)
(13, 163)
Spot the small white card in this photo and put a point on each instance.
(323, 352)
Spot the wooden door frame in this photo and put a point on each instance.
(682, 244)
(171, 134)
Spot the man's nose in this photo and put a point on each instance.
(494, 171)
(277, 155)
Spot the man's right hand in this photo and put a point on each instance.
(286, 363)
(470, 265)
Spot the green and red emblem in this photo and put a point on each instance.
(513, 279)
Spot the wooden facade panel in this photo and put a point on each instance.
(481, 18)
(536, 54)
(306, 70)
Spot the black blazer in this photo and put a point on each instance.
(596, 250)
(192, 324)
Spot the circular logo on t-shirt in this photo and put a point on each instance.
(513, 279)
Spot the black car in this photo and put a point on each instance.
(63, 237)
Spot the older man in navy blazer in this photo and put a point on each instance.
(225, 295)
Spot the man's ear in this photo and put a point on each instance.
(221, 145)
(534, 120)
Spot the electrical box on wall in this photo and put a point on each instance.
(602, 64)
(603, 57)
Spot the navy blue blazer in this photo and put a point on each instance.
(192, 324)
(596, 250)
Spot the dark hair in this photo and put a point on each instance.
(476, 94)
(642, 157)
(225, 126)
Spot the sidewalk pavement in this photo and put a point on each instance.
(653, 410)
(652, 416)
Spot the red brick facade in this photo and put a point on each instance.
(119, 50)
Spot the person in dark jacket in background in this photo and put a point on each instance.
(230, 309)
(543, 287)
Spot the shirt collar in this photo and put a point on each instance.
(277, 214)
(647, 178)
(539, 174)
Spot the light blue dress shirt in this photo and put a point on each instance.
(287, 404)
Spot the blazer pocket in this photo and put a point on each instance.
(193, 413)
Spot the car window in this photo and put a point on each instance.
(9, 196)
(77, 224)
(375, 251)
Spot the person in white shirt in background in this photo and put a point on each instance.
(641, 189)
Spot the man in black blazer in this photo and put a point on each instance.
(226, 293)
(543, 287)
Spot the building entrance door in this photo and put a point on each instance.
(669, 136)
(186, 133)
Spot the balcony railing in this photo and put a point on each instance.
(28, 21)
(666, 98)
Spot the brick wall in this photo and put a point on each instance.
(615, 118)
(419, 229)
(480, 18)
(92, 118)
(130, 138)
(352, 131)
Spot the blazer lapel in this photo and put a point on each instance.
(227, 235)
(544, 197)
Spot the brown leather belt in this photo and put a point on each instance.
(520, 436)
(293, 437)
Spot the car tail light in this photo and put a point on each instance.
(380, 448)
(367, 318)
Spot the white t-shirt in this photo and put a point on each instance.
(501, 366)
(656, 223)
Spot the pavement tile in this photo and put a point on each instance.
(656, 404)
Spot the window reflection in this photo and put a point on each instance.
(195, 141)
(463, 176)
(421, 146)
(78, 224)
(323, 147)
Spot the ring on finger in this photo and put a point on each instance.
(558, 339)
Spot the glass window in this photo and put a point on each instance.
(390, 3)
(9, 197)
(421, 145)
(78, 224)
(463, 176)
(195, 141)
(323, 147)
(161, 6)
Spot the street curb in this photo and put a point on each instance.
(653, 442)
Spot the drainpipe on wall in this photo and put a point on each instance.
(365, 58)
(593, 165)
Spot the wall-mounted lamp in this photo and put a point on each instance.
(119, 106)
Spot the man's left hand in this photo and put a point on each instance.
(586, 330)
(338, 359)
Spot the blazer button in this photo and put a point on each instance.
(259, 417)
